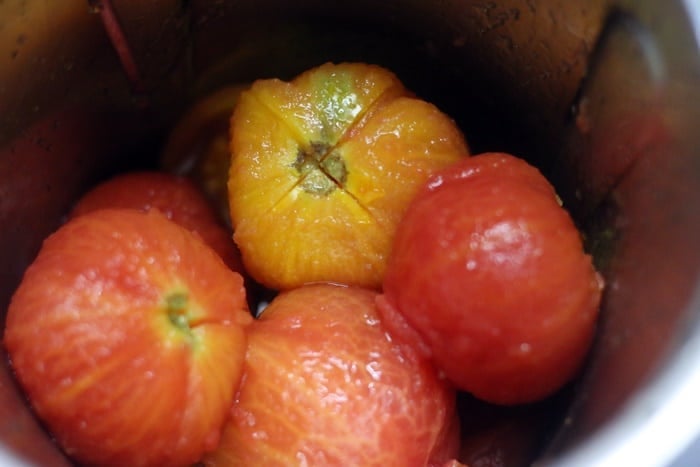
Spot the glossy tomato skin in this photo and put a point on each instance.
(324, 384)
(488, 276)
(322, 168)
(176, 197)
(127, 334)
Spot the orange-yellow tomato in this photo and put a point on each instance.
(323, 167)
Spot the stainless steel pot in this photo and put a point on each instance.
(604, 96)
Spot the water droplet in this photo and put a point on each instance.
(374, 370)
(66, 381)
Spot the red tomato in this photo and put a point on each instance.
(128, 336)
(325, 385)
(489, 278)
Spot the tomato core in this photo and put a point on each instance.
(321, 168)
(176, 305)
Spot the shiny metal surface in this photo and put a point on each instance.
(639, 160)
(603, 95)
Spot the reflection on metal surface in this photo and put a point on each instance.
(693, 9)
(637, 161)
(619, 113)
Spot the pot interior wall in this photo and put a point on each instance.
(508, 72)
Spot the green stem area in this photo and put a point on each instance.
(176, 305)
(322, 169)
